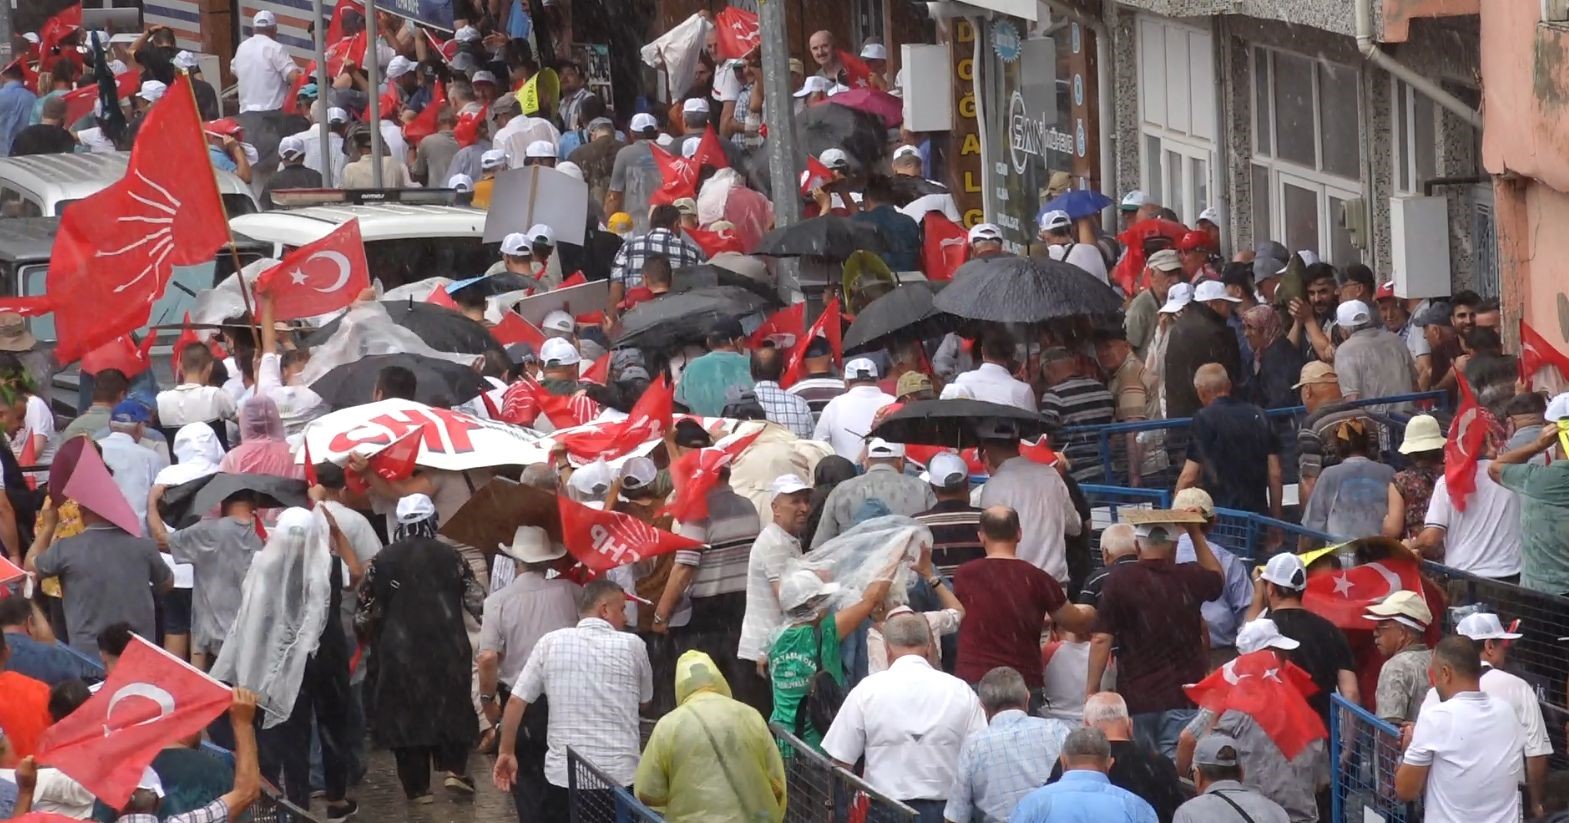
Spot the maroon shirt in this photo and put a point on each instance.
(1151, 610)
(1006, 601)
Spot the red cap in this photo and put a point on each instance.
(225, 125)
(1194, 241)
(1385, 292)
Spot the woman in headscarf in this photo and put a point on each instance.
(410, 616)
(198, 451)
(830, 472)
(285, 646)
(1276, 366)
(262, 449)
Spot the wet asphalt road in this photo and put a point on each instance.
(381, 797)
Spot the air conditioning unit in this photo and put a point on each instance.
(1419, 242)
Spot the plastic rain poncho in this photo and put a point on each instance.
(262, 449)
(198, 452)
(712, 759)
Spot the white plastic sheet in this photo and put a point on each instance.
(678, 50)
(877, 549)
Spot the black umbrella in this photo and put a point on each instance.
(440, 327)
(953, 422)
(666, 322)
(708, 275)
(186, 504)
(906, 311)
(506, 281)
(907, 189)
(440, 383)
(830, 236)
(819, 128)
(1010, 289)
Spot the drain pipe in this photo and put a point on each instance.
(1378, 57)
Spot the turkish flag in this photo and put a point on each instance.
(678, 176)
(424, 124)
(394, 461)
(710, 152)
(785, 327)
(9, 571)
(466, 132)
(945, 246)
(1341, 596)
(151, 699)
(121, 354)
(320, 277)
(1039, 451)
(598, 371)
(310, 471)
(1536, 355)
(736, 32)
(816, 175)
(1467, 438)
(116, 250)
(514, 329)
(604, 540)
(1269, 689)
(79, 102)
(648, 420)
(714, 242)
(828, 325)
(697, 472)
(856, 71)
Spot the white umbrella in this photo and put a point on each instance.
(453, 441)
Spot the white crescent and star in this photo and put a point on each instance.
(164, 699)
(1462, 426)
(299, 277)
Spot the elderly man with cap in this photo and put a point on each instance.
(533, 605)
(134, 466)
(1057, 230)
(790, 500)
(1435, 367)
(884, 481)
(1136, 206)
(540, 153)
(1135, 391)
(1218, 775)
(1370, 361)
(1399, 623)
(1074, 398)
(597, 157)
(1226, 613)
(1327, 408)
(292, 173)
(1196, 250)
(687, 207)
(358, 173)
(263, 67)
(1543, 490)
(337, 126)
(634, 176)
(694, 115)
(1162, 270)
(1037, 492)
(954, 523)
(1322, 649)
(705, 380)
(847, 419)
(521, 130)
(1201, 335)
(985, 240)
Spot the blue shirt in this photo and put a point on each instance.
(221, 160)
(1001, 764)
(1082, 796)
(901, 236)
(16, 109)
(50, 664)
(1223, 615)
(705, 382)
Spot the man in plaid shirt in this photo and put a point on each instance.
(663, 239)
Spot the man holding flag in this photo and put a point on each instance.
(1543, 492)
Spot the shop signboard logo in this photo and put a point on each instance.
(1006, 42)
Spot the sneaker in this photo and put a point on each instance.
(423, 800)
(339, 812)
(459, 784)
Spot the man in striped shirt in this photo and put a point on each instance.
(819, 385)
(1076, 400)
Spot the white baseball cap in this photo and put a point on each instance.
(185, 60)
(689, 147)
(1134, 200)
(643, 121)
(814, 84)
(835, 159)
(542, 235)
(264, 19)
(664, 140)
(291, 147)
(31, 37)
(570, 169)
(1352, 313)
(786, 484)
(906, 151)
(559, 351)
(414, 508)
(1210, 214)
(879, 448)
(946, 470)
(466, 34)
(461, 182)
(1177, 298)
(1055, 219)
(1213, 290)
(638, 472)
(593, 480)
(540, 148)
(483, 76)
(985, 231)
(516, 245)
(1557, 408)
(399, 66)
(1262, 634)
(151, 90)
(559, 321)
(149, 781)
(495, 158)
(874, 51)
(1484, 626)
(1285, 570)
(336, 115)
(860, 368)
(694, 105)
(800, 587)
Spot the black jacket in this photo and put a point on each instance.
(1199, 336)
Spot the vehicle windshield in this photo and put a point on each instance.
(233, 204)
(397, 262)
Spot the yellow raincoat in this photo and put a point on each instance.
(713, 758)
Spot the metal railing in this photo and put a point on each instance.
(819, 791)
(1365, 752)
(596, 798)
(1248, 536)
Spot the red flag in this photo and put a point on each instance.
(320, 277)
(736, 31)
(310, 469)
(603, 540)
(829, 326)
(150, 700)
(79, 102)
(678, 176)
(1341, 596)
(648, 420)
(598, 371)
(1462, 449)
(9, 571)
(1038, 452)
(786, 327)
(466, 132)
(28, 457)
(116, 250)
(54, 30)
(120, 354)
(577, 279)
(514, 329)
(187, 338)
(523, 401)
(714, 242)
(710, 152)
(856, 72)
(424, 124)
(440, 297)
(1536, 354)
(945, 246)
(816, 175)
(1270, 690)
(697, 472)
(394, 461)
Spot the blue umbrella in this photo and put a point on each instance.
(1077, 203)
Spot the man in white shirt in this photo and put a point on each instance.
(195, 400)
(908, 721)
(1057, 231)
(847, 419)
(337, 124)
(520, 131)
(1465, 760)
(993, 380)
(1493, 643)
(776, 545)
(262, 66)
(1484, 539)
(1037, 492)
(133, 465)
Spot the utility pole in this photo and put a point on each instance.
(373, 80)
(322, 129)
(779, 113)
(5, 32)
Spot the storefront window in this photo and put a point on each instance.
(1027, 87)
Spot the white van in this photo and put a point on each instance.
(42, 185)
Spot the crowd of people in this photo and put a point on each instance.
(1017, 659)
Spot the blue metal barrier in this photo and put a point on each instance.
(1247, 534)
(596, 798)
(1364, 753)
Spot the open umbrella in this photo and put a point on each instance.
(829, 236)
(877, 102)
(907, 311)
(708, 275)
(1078, 203)
(492, 515)
(818, 128)
(907, 189)
(676, 319)
(952, 422)
(184, 505)
(491, 285)
(1010, 289)
(437, 382)
(440, 327)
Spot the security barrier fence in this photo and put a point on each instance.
(821, 792)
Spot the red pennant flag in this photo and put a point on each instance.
(604, 540)
(1341, 596)
(514, 329)
(598, 371)
(150, 700)
(577, 279)
(786, 326)
(187, 338)
(9, 571)
(828, 325)
(1536, 354)
(710, 152)
(714, 242)
(79, 102)
(394, 461)
(1467, 438)
(440, 297)
(310, 468)
(678, 176)
(856, 71)
(736, 31)
(816, 175)
(945, 246)
(424, 124)
(320, 277)
(648, 420)
(1272, 691)
(1039, 451)
(116, 250)
(697, 472)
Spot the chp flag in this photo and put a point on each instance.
(318, 278)
(604, 540)
(150, 700)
